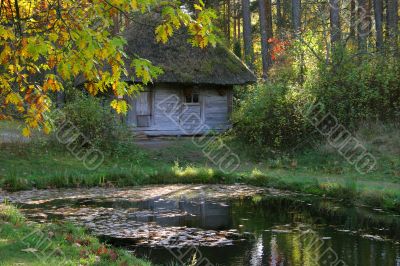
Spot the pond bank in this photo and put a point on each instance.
(350, 193)
(40, 165)
(23, 242)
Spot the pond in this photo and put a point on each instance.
(223, 225)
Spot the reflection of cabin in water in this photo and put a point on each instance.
(198, 213)
(196, 82)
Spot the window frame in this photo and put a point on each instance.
(192, 97)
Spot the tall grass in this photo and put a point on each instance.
(10, 214)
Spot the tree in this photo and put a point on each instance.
(237, 45)
(46, 43)
(228, 18)
(334, 12)
(363, 24)
(269, 24)
(264, 37)
(248, 42)
(268, 19)
(286, 13)
(296, 16)
(392, 22)
(352, 19)
(378, 13)
(279, 18)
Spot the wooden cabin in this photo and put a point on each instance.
(194, 95)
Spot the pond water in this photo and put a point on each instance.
(224, 225)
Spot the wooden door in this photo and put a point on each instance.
(190, 118)
(143, 109)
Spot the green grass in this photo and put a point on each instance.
(23, 243)
(318, 171)
(41, 164)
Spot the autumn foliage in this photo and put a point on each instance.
(278, 47)
(46, 43)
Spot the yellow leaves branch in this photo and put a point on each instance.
(74, 38)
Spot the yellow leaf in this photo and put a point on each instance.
(123, 107)
(20, 109)
(46, 128)
(11, 68)
(134, 4)
(5, 54)
(53, 37)
(13, 98)
(197, 7)
(114, 104)
(120, 106)
(26, 132)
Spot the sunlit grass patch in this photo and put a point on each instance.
(11, 214)
(192, 172)
(53, 244)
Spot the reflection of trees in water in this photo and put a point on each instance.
(254, 215)
(257, 252)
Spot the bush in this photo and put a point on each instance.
(268, 117)
(355, 90)
(95, 120)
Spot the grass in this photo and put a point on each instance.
(318, 171)
(40, 164)
(23, 243)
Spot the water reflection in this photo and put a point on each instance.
(279, 225)
(276, 223)
(199, 213)
(257, 252)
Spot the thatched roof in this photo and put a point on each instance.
(180, 61)
(183, 63)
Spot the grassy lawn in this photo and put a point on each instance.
(23, 243)
(319, 171)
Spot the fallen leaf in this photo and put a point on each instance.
(32, 250)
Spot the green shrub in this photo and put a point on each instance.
(268, 118)
(95, 120)
(362, 89)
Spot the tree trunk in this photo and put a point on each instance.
(228, 19)
(363, 24)
(296, 20)
(115, 29)
(268, 18)
(378, 12)
(234, 15)
(352, 19)
(392, 22)
(264, 37)
(239, 28)
(224, 17)
(270, 31)
(369, 17)
(248, 43)
(279, 19)
(334, 12)
(286, 13)
(296, 16)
